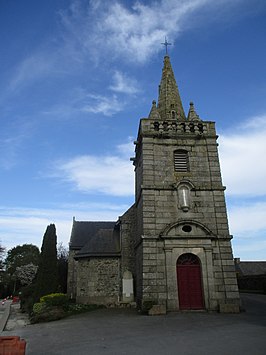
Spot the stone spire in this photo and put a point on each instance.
(169, 102)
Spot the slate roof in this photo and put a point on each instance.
(250, 268)
(95, 239)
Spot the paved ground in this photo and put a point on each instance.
(117, 332)
(4, 313)
(16, 319)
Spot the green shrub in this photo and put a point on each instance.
(55, 299)
(48, 314)
(39, 307)
(51, 307)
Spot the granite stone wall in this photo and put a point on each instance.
(72, 275)
(127, 231)
(98, 281)
(161, 215)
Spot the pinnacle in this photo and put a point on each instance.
(192, 114)
(154, 114)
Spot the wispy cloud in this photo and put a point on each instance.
(8, 152)
(106, 105)
(247, 218)
(243, 154)
(250, 250)
(80, 101)
(109, 175)
(27, 225)
(96, 30)
(254, 247)
(123, 84)
(11, 143)
(133, 32)
(126, 149)
(32, 68)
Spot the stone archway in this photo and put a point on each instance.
(189, 282)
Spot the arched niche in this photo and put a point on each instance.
(184, 195)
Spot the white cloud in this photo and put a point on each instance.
(8, 152)
(247, 218)
(110, 175)
(82, 101)
(39, 64)
(101, 29)
(254, 246)
(11, 142)
(244, 173)
(242, 155)
(27, 225)
(26, 228)
(116, 29)
(252, 250)
(134, 32)
(107, 174)
(127, 149)
(124, 84)
(108, 106)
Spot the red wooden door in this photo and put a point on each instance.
(189, 282)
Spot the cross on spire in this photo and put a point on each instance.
(166, 44)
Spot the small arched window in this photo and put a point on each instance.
(181, 163)
(173, 114)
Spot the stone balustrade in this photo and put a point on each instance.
(179, 127)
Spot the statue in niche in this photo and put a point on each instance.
(184, 198)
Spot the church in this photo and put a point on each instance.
(171, 250)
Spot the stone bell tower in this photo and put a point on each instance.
(182, 242)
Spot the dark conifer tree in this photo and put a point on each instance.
(62, 260)
(47, 275)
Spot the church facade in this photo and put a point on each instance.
(172, 248)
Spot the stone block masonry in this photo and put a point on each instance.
(169, 231)
(98, 281)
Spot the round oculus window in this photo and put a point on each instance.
(186, 228)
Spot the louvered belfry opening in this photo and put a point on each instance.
(181, 160)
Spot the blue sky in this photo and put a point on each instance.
(76, 77)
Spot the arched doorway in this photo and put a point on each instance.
(188, 270)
